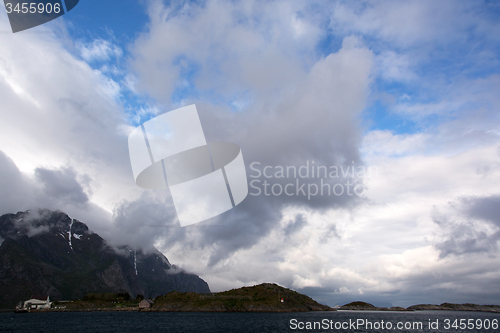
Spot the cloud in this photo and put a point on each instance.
(207, 39)
(297, 106)
(55, 189)
(61, 184)
(295, 225)
(289, 82)
(406, 24)
(484, 208)
(386, 143)
(142, 222)
(62, 120)
(15, 185)
(98, 50)
(395, 67)
(470, 225)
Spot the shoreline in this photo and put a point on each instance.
(136, 309)
(159, 310)
(422, 310)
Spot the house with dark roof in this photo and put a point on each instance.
(145, 303)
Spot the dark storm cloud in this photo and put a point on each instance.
(61, 185)
(152, 218)
(464, 239)
(473, 280)
(295, 114)
(14, 186)
(239, 228)
(483, 208)
(331, 234)
(142, 222)
(472, 226)
(57, 189)
(295, 225)
(20, 192)
(456, 283)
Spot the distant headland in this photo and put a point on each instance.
(362, 306)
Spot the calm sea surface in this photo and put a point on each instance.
(341, 321)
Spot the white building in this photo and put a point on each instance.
(37, 303)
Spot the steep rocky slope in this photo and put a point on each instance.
(48, 253)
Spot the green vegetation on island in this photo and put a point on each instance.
(266, 297)
(100, 301)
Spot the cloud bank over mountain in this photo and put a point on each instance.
(406, 89)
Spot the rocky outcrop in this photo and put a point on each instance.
(362, 306)
(457, 307)
(358, 305)
(266, 297)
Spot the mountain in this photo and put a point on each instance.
(265, 297)
(49, 253)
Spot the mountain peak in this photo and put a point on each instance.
(48, 252)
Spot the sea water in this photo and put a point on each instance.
(340, 321)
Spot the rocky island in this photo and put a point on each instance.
(456, 307)
(362, 306)
(266, 297)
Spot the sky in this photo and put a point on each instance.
(400, 98)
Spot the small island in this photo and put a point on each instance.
(362, 306)
(456, 307)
